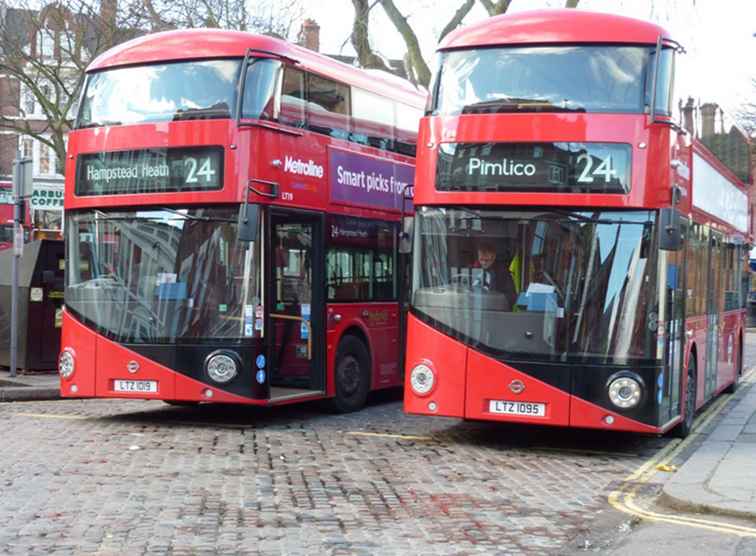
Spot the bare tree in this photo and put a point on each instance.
(496, 7)
(746, 113)
(271, 17)
(45, 53)
(359, 38)
(416, 66)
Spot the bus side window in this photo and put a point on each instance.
(292, 111)
(372, 120)
(327, 107)
(406, 124)
(260, 88)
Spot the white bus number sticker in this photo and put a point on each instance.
(205, 170)
(605, 168)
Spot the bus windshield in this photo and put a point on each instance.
(160, 92)
(552, 285)
(572, 78)
(163, 275)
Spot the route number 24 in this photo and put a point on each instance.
(196, 169)
(605, 168)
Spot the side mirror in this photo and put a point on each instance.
(249, 222)
(670, 229)
(405, 236)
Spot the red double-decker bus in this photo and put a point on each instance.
(6, 215)
(580, 229)
(232, 212)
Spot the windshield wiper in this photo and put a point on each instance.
(102, 216)
(195, 217)
(100, 124)
(216, 111)
(513, 104)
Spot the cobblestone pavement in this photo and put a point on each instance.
(136, 477)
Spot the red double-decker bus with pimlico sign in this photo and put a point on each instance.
(580, 232)
(232, 215)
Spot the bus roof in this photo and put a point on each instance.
(194, 44)
(554, 26)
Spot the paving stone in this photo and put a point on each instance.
(219, 480)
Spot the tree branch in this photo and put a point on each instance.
(420, 68)
(360, 38)
(459, 15)
(496, 7)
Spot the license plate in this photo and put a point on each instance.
(506, 407)
(150, 386)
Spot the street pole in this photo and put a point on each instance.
(21, 183)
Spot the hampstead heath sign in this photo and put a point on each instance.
(155, 170)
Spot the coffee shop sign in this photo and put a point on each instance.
(47, 198)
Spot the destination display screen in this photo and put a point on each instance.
(157, 170)
(545, 167)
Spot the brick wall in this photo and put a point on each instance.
(8, 145)
(9, 91)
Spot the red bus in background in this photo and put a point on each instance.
(232, 224)
(580, 230)
(6, 215)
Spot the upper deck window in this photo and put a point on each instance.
(160, 92)
(572, 78)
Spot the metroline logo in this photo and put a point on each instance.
(503, 168)
(302, 168)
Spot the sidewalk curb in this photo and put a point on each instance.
(28, 394)
(688, 490)
(681, 504)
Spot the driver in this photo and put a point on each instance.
(495, 276)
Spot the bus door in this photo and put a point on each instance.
(713, 323)
(669, 382)
(295, 289)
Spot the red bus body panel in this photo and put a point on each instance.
(489, 379)
(553, 26)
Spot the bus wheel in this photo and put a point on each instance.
(352, 375)
(683, 429)
(732, 388)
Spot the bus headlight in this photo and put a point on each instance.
(422, 379)
(625, 391)
(221, 367)
(66, 363)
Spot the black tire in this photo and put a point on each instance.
(732, 388)
(352, 375)
(686, 426)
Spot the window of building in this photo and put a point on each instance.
(45, 43)
(45, 160)
(26, 145)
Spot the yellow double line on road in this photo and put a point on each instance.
(624, 498)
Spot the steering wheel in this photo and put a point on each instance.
(461, 281)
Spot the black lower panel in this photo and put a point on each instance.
(189, 360)
(589, 382)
